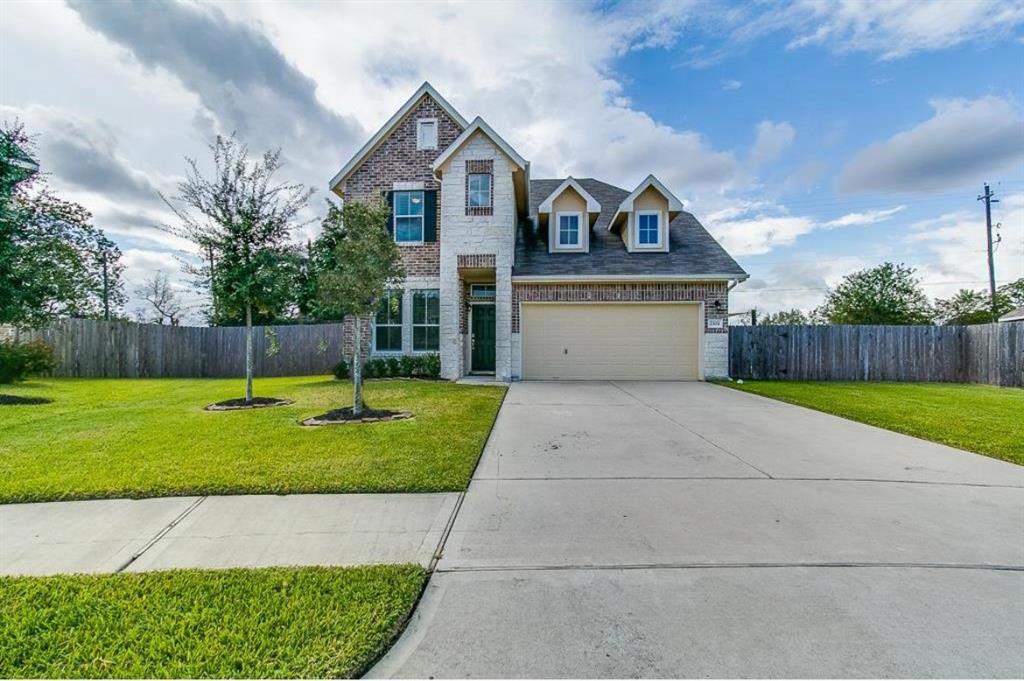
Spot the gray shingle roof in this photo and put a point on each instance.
(692, 251)
(1013, 315)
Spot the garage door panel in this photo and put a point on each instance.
(648, 341)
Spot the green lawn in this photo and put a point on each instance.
(151, 437)
(269, 623)
(979, 418)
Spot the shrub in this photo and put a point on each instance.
(341, 370)
(20, 360)
(369, 369)
(430, 366)
(393, 367)
(407, 365)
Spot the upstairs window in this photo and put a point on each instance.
(648, 229)
(426, 320)
(569, 230)
(408, 217)
(387, 334)
(426, 133)
(479, 190)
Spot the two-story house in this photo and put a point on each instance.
(569, 278)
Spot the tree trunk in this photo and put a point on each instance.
(248, 354)
(357, 369)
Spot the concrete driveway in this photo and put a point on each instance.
(686, 529)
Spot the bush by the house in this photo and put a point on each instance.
(406, 366)
(341, 370)
(20, 360)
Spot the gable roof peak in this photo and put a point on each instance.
(479, 125)
(423, 90)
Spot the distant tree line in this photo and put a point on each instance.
(892, 294)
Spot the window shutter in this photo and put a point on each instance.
(429, 216)
(389, 199)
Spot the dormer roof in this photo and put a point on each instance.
(592, 205)
(675, 206)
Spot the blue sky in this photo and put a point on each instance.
(811, 138)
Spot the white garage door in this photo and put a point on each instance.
(608, 341)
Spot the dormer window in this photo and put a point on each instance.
(426, 133)
(569, 235)
(648, 228)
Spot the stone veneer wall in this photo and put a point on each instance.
(397, 160)
(483, 236)
(716, 341)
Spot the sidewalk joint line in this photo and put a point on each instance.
(161, 534)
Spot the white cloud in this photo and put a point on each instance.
(869, 217)
(896, 28)
(731, 85)
(772, 139)
(953, 247)
(962, 143)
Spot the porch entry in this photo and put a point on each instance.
(482, 339)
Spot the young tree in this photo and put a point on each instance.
(366, 263)
(974, 307)
(792, 317)
(320, 257)
(886, 294)
(53, 261)
(241, 219)
(158, 292)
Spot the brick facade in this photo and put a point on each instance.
(397, 160)
(710, 292)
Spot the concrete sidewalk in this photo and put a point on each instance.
(219, 532)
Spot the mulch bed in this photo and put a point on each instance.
(240, 403)
(343, 416)
(17, 399)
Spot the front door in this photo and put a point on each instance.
(483, 338)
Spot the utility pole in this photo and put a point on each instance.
(989, 198)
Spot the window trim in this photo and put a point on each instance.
(470, 190)
(414, 325)
(492, 295)
(660, 243)
(559, 246)
(401, 321)
(420, 122)
(422, 216)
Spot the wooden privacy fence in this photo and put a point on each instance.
(88, 348)
(990, 353)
